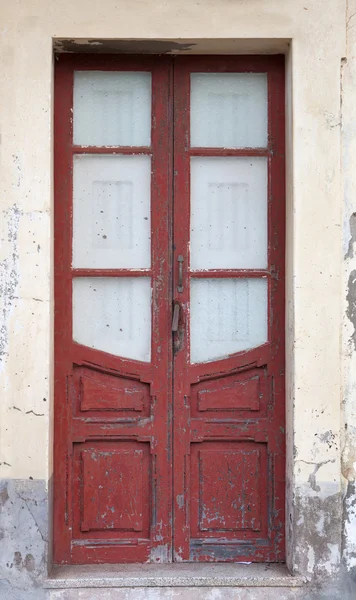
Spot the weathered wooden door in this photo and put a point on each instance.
(169, 309)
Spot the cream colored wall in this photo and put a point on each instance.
(349, 289)
(314, 213)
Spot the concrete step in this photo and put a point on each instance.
(174, 582)
(178, 593)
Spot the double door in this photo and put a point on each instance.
(169, 309)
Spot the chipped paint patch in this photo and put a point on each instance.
(160, 554)
(349, 527)
(317, 552)
(117, 46)
(351, 304)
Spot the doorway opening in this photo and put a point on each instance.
(169, 309)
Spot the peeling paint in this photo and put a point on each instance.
(350, 250)
(317, 552)
(349, 527)
(160, 554)
(117, 46)
(351, 304)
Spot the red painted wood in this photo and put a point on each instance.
(99, 392)
(112, 424)
(111, 500)
(111, 272)
(111, 150)
(229, 151)
(239, 392)
(129, 446)
(230, 273)
(229, 452)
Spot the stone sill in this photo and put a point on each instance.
(178, 575)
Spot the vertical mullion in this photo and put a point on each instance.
(161, 388)
(181, 436)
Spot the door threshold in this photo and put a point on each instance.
(177, 575)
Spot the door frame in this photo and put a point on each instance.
(275, 67)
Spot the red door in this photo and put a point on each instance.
(169, 309)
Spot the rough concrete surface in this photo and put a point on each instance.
(23, 538)
(212, 593)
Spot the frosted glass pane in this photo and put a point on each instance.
(111, 211)
(228, 218)
(228, 110)
(226, 316)
(113, 315)
(112, 108)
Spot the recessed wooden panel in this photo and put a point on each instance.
(229, 491)
(119, 395)
(241, 392)
(228, 496)
(243, 395)
(107, 395)
(114, 492)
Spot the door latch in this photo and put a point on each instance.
(175, 319)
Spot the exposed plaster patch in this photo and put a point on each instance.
(317, 553)
(349, 527)
(351, 304)
(349, 457)
(312, 477)
(9, 278)
(160, 554)
(329, 438)
(350, 250)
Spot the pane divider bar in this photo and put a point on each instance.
(229, 152)
(110, 273)
(229, 273)
(111, 150)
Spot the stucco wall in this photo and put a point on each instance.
(321, 73)
(349, 290)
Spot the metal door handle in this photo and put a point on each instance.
(175, 320)
(180, 260)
